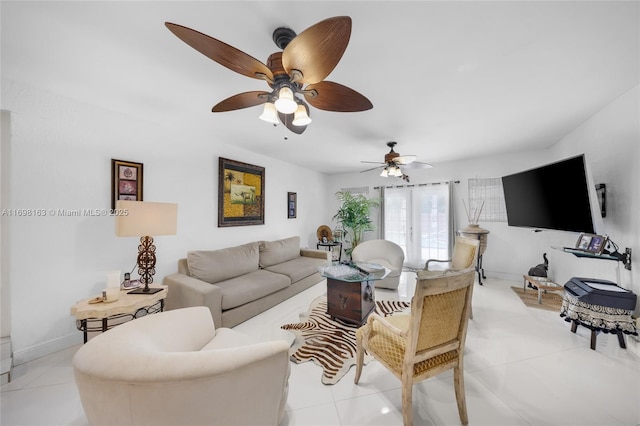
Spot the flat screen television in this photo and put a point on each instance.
(554, 196)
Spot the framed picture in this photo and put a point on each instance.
(597, 244)
(240, 193)
(591, 243)
(126, 181)
(292, 205)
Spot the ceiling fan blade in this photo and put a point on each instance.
(241, 100)
(373, 168)
(224, 54)
(287, 120)
(332, 96)
(372, 162)
(417, 165)
(403, 160)
(317, 50)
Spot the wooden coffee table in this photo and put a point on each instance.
(96, 317)
(350, 292)
(543, 284)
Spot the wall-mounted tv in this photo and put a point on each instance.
(554, 196)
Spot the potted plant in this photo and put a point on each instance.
(353, 216)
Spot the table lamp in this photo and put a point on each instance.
(146, 219)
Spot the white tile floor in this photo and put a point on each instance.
(523, 367)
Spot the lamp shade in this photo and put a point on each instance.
(300, 117)
(269, 113)
(145, 218)
(285, 103)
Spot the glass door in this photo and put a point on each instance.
(417, 219)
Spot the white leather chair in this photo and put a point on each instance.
(175, 368)
(385, 253)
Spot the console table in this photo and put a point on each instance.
(100, 317)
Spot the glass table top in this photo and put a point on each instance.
(354, 272)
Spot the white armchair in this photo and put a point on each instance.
(385, 253)
(175, 368)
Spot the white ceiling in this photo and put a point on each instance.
(448, 80)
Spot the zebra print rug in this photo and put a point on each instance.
(330, 344)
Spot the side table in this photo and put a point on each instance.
(102, 316)
(332, 245)
(542, 284)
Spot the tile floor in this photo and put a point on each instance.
(523, 367)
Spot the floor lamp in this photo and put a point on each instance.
(146, 219)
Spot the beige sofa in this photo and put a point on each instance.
(237, 283)
(176, 368)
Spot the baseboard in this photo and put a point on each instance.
(38, 351)
(7, 359)
(503, 276)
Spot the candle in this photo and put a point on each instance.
(113, 278)
(112, 292)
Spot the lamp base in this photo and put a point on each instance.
(143, 290)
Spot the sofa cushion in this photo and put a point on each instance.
(213, 266)
(298, 268)
(274, 252)
(249, 287)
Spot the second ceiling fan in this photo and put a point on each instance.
(297, 72)
(393, 162)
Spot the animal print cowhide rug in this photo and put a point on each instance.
(330, 344)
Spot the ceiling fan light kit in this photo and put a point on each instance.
(393, 161)
(285, 103)
(269, 113)
(294, 75)
(300, 117)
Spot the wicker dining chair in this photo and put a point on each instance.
(428, 341)
(465, 255)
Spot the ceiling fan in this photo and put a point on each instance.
(393, 161)
(295, 73)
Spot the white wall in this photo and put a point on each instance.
(610, 141)
(61, 159)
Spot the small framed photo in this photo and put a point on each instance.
(597, 244)
(583, 241)
(591, 243)
(292, 205)
(126, 181)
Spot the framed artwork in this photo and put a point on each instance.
(591, 243)
(597, 244)
(292, 205)
(583, 241)
(126, 181)
(240, 193)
